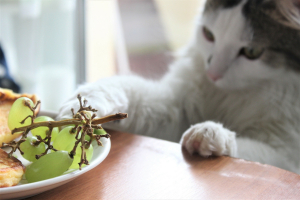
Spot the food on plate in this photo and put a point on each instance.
(11, 170)
(42, 131)
(65, 135)
(49, 166)
(51, 153)
(77, 156)
(19, 112)
(7, 98)
(30, 149)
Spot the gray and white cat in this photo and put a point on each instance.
(234, 91)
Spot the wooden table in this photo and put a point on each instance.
(139, 167)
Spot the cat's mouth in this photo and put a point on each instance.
(213, 76)
(221, 82)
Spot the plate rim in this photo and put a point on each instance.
(17, 189)
(65, 177)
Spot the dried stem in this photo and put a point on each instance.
(32, 109)
(75, 122)
(47, 141)
(16, 145)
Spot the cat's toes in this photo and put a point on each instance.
(65, 111)
(209, 138)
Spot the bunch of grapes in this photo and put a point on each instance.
(53, 151)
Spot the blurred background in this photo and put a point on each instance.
(49, 47)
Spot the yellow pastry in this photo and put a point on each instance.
(11, 170)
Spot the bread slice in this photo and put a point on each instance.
(11, 170)
(7, 98)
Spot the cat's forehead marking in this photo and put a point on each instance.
(264, 18)
(257, 21)
(216, 4)
(228, 24)
(212, 5)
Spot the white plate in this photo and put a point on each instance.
(24, 190)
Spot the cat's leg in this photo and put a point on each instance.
(152, 106)
(106, 95)
(209, 138)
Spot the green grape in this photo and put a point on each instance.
(30, 150)
(86, 137)
(97, 132)
(77, 157)
(65, 140)
(42, 130)
(48, 166)
(100, 132)
(18, 112)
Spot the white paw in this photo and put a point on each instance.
(102, 96)
(209, 138)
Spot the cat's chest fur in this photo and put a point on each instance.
(271, 107)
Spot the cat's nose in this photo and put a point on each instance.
(213, 76)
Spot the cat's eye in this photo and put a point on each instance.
(208, 34)
(252, 53)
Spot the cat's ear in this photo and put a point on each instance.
(290, 9)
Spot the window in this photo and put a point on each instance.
(52, 46)
(136, 35)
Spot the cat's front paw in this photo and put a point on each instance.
(209, 138)
(103, 96)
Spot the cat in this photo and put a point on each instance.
(233, 91)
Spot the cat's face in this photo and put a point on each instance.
(244, 45)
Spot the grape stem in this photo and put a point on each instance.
(33, 116)
(102, 120)
(47, 141)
